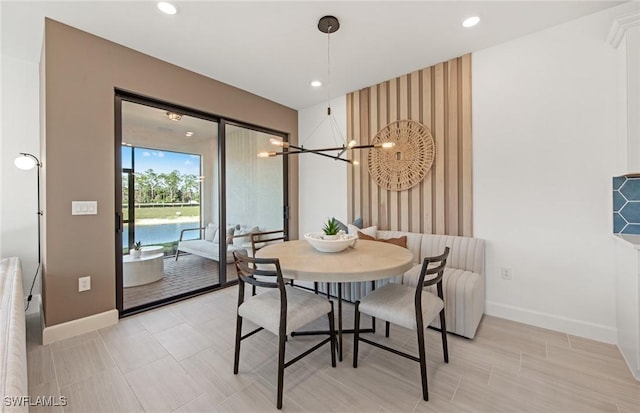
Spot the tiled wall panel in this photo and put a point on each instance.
(626, 205)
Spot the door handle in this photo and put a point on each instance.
(119, 224)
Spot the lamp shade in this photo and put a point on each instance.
(25, 162)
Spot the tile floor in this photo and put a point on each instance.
(179, 359)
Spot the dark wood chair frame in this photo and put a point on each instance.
(266, 237)
(249, 267)
(422, 358)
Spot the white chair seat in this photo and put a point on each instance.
(395, 303)
(302, 308)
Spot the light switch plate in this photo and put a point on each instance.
(84, 207)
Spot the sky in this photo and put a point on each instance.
(161, 161)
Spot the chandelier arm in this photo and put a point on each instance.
(335, 148)
(315, 152)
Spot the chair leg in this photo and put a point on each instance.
(356, 334)
(281, 343)
(387, 328)
(373, 319)
(332, 333)
(315, 287)
(443, 331)
(423, 363)
(177, 253)
(236, 357)
(253, 290)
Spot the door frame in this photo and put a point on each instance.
(121, 95)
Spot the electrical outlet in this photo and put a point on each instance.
(84, 284)
(506, 273)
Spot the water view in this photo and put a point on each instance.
(161, 233)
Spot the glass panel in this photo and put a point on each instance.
(127, 156)
(254, 186)
(125, 211)
(125, 239)
(166, 195)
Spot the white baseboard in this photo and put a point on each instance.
(574, 327)
(80, 326)
(635, 371)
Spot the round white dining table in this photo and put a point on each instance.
(365, 261)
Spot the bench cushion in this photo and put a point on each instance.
(13, 353)
(463, 295)
(207, 249)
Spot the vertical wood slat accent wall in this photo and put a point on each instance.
(440, 98)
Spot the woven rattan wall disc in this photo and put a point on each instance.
(407, 163)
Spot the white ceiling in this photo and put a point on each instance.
(274, 49)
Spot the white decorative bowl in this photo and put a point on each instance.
(329, 245)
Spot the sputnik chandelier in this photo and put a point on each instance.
(328, 25)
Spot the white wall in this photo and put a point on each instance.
(632, 64)
(322, 181)
(627, 279)
(20, 130)
(545, 150)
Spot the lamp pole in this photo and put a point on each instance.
(37, 164)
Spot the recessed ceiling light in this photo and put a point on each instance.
(189, 133)
(471, 21)
(316, 83)
(167, 8)
(174, 116)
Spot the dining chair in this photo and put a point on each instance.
(409, 307)
(261, 239)
(281, 309)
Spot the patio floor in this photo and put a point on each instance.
(187, 274)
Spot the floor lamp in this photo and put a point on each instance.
(25, 162)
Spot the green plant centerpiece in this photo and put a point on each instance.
(331, 229)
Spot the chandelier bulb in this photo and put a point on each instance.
(266, 154)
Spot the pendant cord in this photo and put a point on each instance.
(334, 129)
(329, 71)
(332, 121)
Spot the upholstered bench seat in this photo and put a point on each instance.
(463, 281)
(13, 352)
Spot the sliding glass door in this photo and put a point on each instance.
(189, 189)
(168, 193)
(255, 194)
